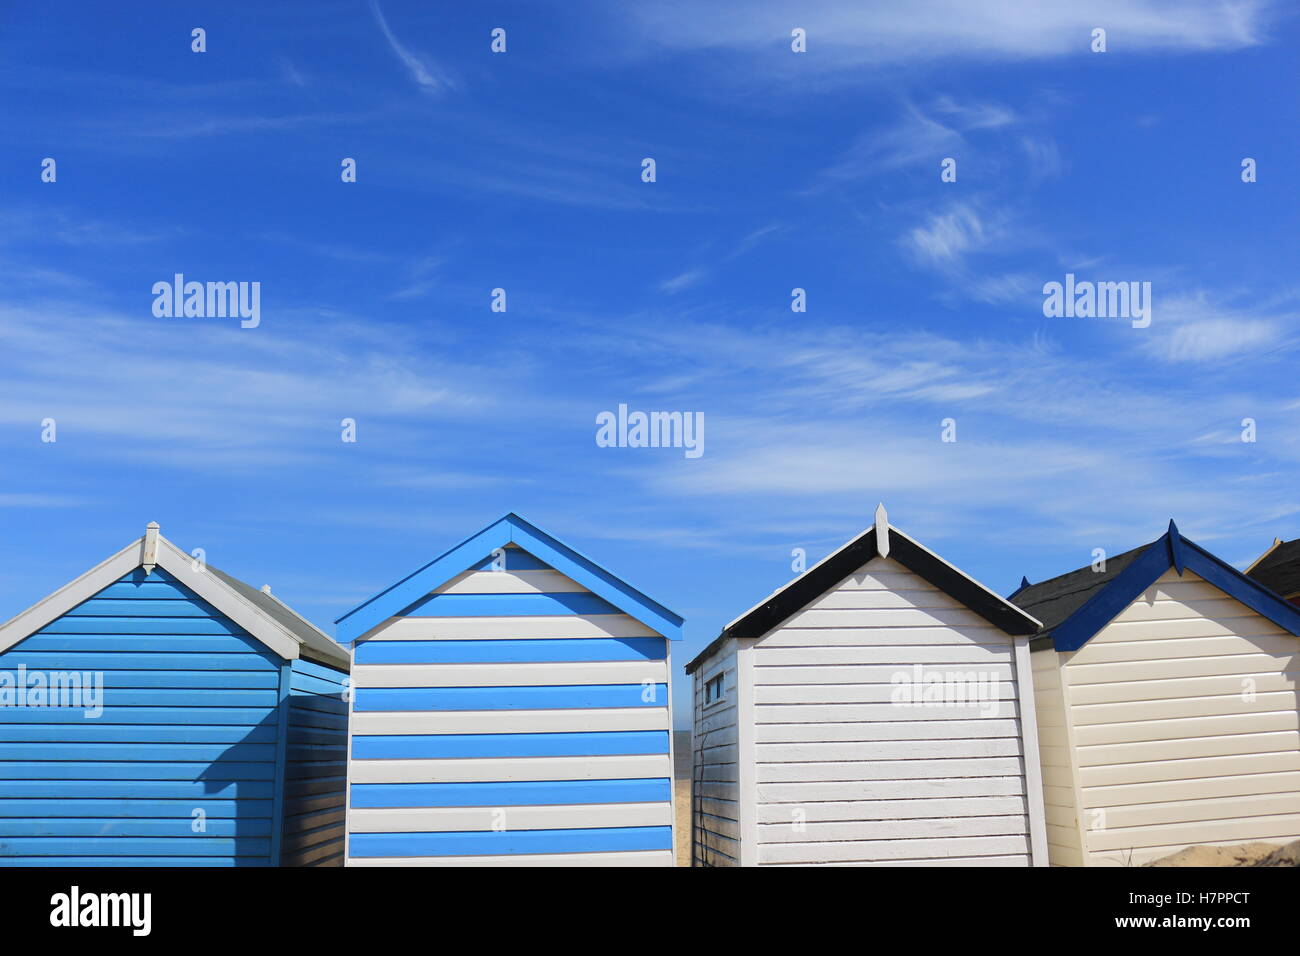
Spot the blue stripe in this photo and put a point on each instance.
(517, 559)
(512, 652)
(532, 793)
(33, 827)
(508, 605)
(510, 842)
(508, 698)
(434, 746)
(119, 861)
(191, 845)
(156, 809)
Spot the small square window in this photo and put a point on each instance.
(713, 689)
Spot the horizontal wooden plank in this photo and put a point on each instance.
(510, 628)
(1236, 664)
(511, 721)
(889, 769)
(509, 605)
(1140, 649)
(507, 794)
(444, 746)
(1182, 708)
(836, 751)
(143, 807)
(1199, 809)
(510, 698)
(459, 819)
(642, 858)
(874, 810)
(808, 714)
(1214, 725)
(127, 829)
(885, 617)
(930, 828)
(1193, 788)
(889, 789)
(510, 675)
(891, 850)
(1166, 689)
(512, 652)
(517, 768)
(893, 655)
(1186, 748)
(1280, 828)
(1168, 770)
(510, 582)
(789, 637)
(873, 693)
(510, 842)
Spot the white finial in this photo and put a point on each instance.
(266, 589)
(882, 531)
(149, 556)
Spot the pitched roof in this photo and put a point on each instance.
(1054, 600)
(263, 617)
(1075, 606)
(838, 565)
(1279, 568)
(316, 645)
(506, 530)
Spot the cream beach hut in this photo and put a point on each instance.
(1165, 685)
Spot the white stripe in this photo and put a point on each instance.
(509, 628)
(634, 858)
(509, 675)
(511, 582)
(511, 721)
(470, 770)
(470, 819)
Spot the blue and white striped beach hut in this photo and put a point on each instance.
(511, 708)
(158, 712)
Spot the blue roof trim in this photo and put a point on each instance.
(510, 529)
(1172, 550)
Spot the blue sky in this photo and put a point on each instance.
(775, 170)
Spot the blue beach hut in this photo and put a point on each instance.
(159, 712)
(511, 708)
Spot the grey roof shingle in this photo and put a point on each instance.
(1279, 570)
(1054, 600)
(316, 645)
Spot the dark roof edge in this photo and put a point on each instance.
(1171, 550)
(820, 578)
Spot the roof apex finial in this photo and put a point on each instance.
(149, 548)
(1175, 547)
(1024, 582)
(882, 530)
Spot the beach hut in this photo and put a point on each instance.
(511, 708)
(1165, 684)
(1278, 569)
(159, 712)
(875, 710)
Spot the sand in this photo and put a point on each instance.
(1245, 854)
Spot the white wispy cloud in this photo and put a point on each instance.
(1193, 328)
(425, 73)
(844, 35)
(945, 238)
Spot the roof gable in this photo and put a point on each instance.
(476, 552)
(1278, 569)
(283, 632)
(880, 540)
(1073, 609)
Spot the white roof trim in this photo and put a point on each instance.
(180, 565)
